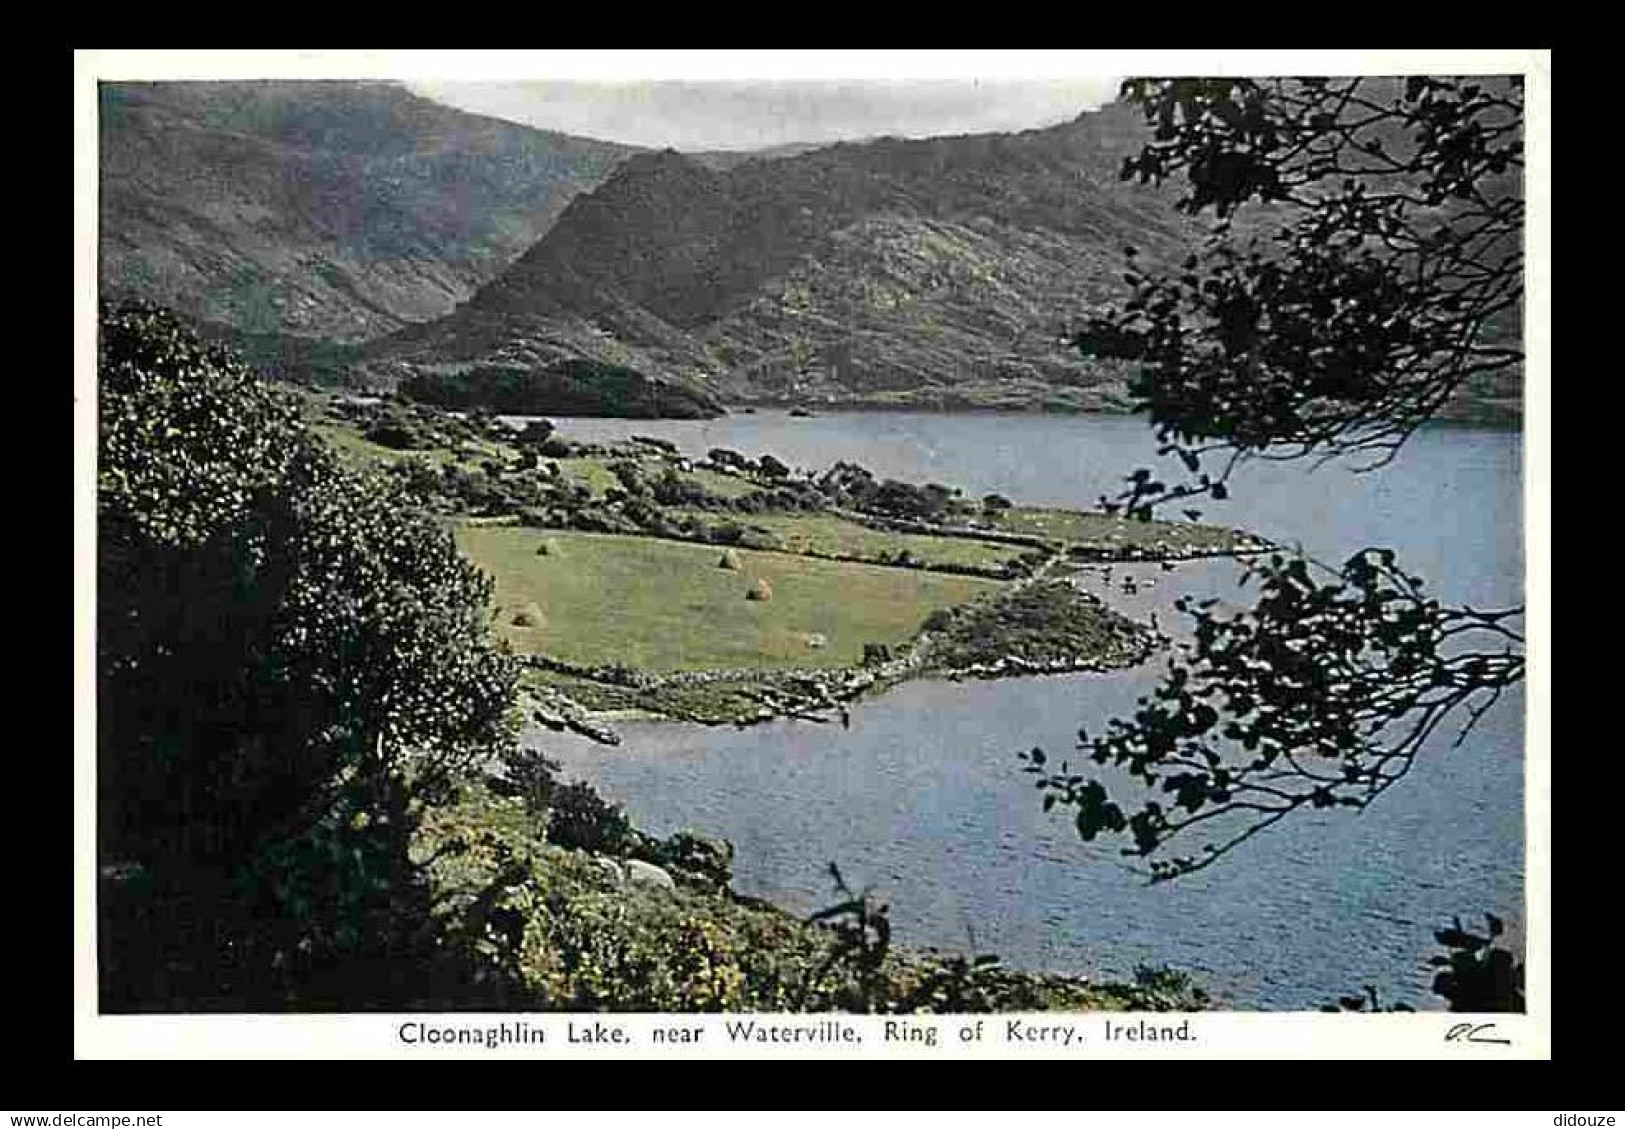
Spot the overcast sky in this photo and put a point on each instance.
(730, 114)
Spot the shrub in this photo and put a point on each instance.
(876, 654)
(536, 432)
(292, 664)
(579, 818)
(692, 855)
(397, 433)
(672, 489)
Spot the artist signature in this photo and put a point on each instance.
(1475, 1033)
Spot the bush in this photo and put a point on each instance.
(536, 432)
(397, 433)
(692, 855)
(876, 654)
(727, 533)
(672, 489)
(580, 819)
(292, 663)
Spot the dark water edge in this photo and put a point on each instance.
(923, 798)
(1476, 415)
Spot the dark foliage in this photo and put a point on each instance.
(861, 926)
(1477, 975)
(397, 433)
(576, 387)
(1389, 272)
(581, 819)
(536, 432)
(290, 665)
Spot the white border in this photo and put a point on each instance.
(783, 64)
(1222, 1034)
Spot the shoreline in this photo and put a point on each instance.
(1486, 419)
(1487, 416)
(957, 645)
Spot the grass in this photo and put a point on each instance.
(722, 485)
(1105, 531)
(357, 450)
(712, 703)
(827, 533)
(583, 691)
(1050, 622)
(666, 606)
(584, 942)
(360, 452)
(591, 471)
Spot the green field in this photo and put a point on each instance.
(666, 606)
(591, 471)
(1104, 531)
(828, 534)
(360, 452)
(722, 485)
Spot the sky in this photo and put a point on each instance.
(753, 98)
(735, 114)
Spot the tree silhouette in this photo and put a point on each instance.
(1365, 267)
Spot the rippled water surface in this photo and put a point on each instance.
(923, 798)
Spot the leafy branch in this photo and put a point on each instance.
(1383, 274)
(1319, 696)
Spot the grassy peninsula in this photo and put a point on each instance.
(733, 588)
(311, 794)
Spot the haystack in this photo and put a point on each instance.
(529, 616)
(730, 560)
(761, 590)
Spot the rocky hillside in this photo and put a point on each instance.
(356, 231)
(940, 271)
(337, 210)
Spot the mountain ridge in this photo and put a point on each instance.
(359, 232)
(333, 210)
(848, 272)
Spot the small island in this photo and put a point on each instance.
(635, 580)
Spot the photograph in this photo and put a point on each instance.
(813, 543)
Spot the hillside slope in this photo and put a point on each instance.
(355, 231)
(942, 270)
(337, 210)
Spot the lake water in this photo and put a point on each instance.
(922, 798)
